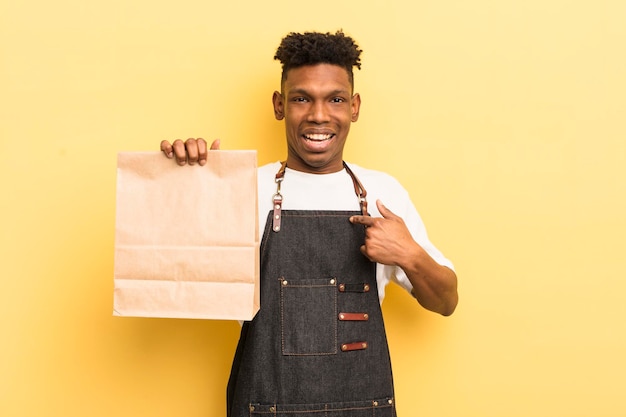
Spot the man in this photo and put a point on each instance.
(318, 343)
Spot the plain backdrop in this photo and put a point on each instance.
(503, 119)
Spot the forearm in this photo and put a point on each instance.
(434, 285)
(389, 242)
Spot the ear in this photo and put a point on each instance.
(356, 106)
(279, 105)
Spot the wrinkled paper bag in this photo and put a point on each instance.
(186, 238)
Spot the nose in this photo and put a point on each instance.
(318, 112)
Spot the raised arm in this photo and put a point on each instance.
(388, 241)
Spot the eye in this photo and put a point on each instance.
(337, 100)
(299, 99)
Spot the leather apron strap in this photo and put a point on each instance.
(277, 199)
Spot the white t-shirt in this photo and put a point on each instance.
(303, 191)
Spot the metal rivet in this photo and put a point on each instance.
(364, 345)
(276, 229)
(365, 316)
(341, 316)
(366, 287)
(272, 409)
(277, 217)
(375, 403)
(332, 281)
(251, 408)
(284, 282)
(277, 206)
(390, 401)
(344, 347)
(342, 287)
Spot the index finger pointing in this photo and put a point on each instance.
(365, 220)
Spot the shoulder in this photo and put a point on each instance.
(378, 183)
(268, 170)
(373, 175)
(386, 188)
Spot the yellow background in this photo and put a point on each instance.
(504, 119)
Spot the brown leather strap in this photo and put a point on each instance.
(346, 347)
(281, 172)
(358, 189)
(278, 198)
(353, 316)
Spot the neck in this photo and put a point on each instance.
(299, 165)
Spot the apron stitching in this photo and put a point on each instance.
(271, 254)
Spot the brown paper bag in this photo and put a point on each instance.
(186, 238)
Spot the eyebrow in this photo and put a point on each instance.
(307, 93)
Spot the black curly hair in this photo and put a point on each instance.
(311, 48)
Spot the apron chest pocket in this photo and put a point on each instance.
(308, 316)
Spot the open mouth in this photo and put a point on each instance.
(318, 137)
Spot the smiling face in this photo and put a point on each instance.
(318, 107)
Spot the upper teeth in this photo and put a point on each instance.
(318, 136)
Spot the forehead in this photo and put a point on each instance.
(319, 76)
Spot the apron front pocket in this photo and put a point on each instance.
(308, 316)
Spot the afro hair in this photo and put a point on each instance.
(311, 48)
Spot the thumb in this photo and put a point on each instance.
(215, 145)
(384, 211)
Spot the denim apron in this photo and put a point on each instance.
(317, 347)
